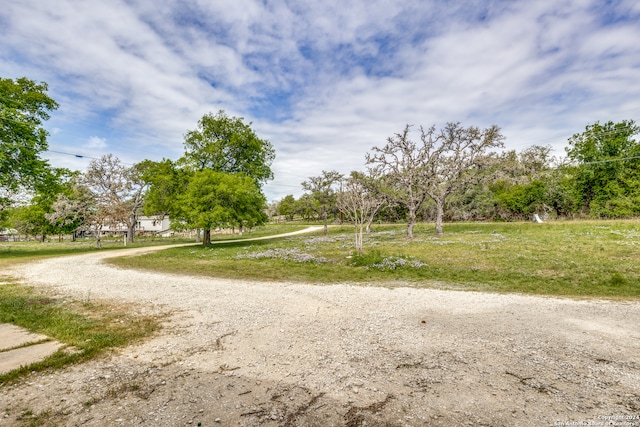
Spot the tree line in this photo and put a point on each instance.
(217, 183)
(464, 174)
(456, 173)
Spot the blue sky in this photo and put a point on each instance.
(322, 81)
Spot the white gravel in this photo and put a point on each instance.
(236, 352)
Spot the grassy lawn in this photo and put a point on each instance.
(89, 328)
(577, 258)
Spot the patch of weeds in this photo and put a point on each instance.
(617, 280)
(122, 389)
(90, 402)
(28, 418)
(438, 242)
(321, 239)
(26, 413)
(394, 263)
(367, 258)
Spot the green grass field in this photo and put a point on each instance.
(577, 258)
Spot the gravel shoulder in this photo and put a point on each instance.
(235, 352)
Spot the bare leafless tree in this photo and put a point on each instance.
(402, 162)
(116, 189)
(457, 157)
(359, 202)
(437, 166)
(79, 211)
(69, 212)
(374, 184)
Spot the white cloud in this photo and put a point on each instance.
(323, 81)
(96, 143)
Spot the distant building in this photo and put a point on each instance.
(145, 225)
(9, 235)
(148, 224)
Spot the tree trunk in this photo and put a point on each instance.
(368, 223)
(206, 238)
(324, 219)
(131, 227)
(439, 215)
(198, 235)
(411, 221)
(359, 240)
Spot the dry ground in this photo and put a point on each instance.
(282, 354)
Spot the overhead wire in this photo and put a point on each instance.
(619, 159)
(79, 156)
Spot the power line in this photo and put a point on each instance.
(611, 160)
(79, 156)
(599, 133)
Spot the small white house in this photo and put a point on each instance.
(145, 225)
(9, 235)
(149, 224)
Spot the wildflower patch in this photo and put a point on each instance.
(294, 255)
(394, 263)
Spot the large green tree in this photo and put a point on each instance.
(217, 199)
(287, 207)
(308, 207)
(24, 105)
(32, 218)
(227, 145)
(166, 182)
(607, 172)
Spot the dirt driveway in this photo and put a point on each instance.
(282, 354)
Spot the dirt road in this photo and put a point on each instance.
(283, 354)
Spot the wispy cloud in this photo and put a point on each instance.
(323, 81)
(96, 143)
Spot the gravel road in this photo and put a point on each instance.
(284, 354)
